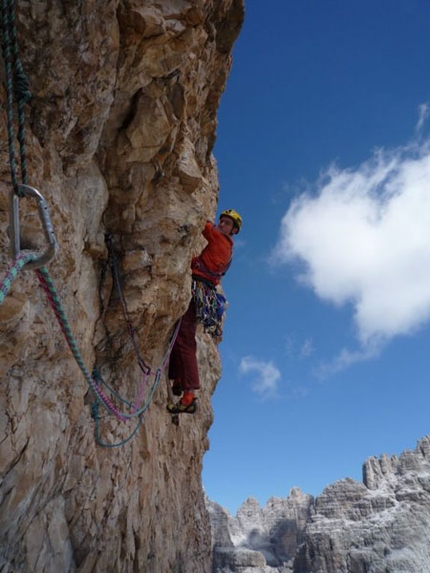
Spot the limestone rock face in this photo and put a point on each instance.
(380, 525)
(274, 531)
(119, 136)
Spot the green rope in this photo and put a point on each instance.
(92, 380)
(12, 273)
(52, 294)
(17, 87)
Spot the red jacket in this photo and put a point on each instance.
(215, 258)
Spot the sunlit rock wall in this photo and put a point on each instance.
(382, 524)
(120, 131)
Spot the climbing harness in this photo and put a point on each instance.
(17, 88)
(215, 276)
(210, 306)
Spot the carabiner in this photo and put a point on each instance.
(48, 229)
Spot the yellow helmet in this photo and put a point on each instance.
(237, 219)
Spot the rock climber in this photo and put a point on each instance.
(209, 267)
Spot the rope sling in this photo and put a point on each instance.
(18, 92)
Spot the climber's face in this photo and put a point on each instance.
(226, 226)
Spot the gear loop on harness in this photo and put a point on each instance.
(25, 191)
(210, 306)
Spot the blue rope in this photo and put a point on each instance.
(92, 380)
(58, 309)
(17, 87)
(137, 412)
(100, 442)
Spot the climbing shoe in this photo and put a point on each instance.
(180, 408)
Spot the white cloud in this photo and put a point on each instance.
(306, 349)
(347, 358)
(265, 375)
(289, 346)
(364, 238)
(423, 113)
(298, 350)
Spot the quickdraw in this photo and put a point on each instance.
(210, 307)
(36, 262)
(18, 94)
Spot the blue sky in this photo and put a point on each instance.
(323, 147)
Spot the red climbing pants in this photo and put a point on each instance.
(183, 359)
